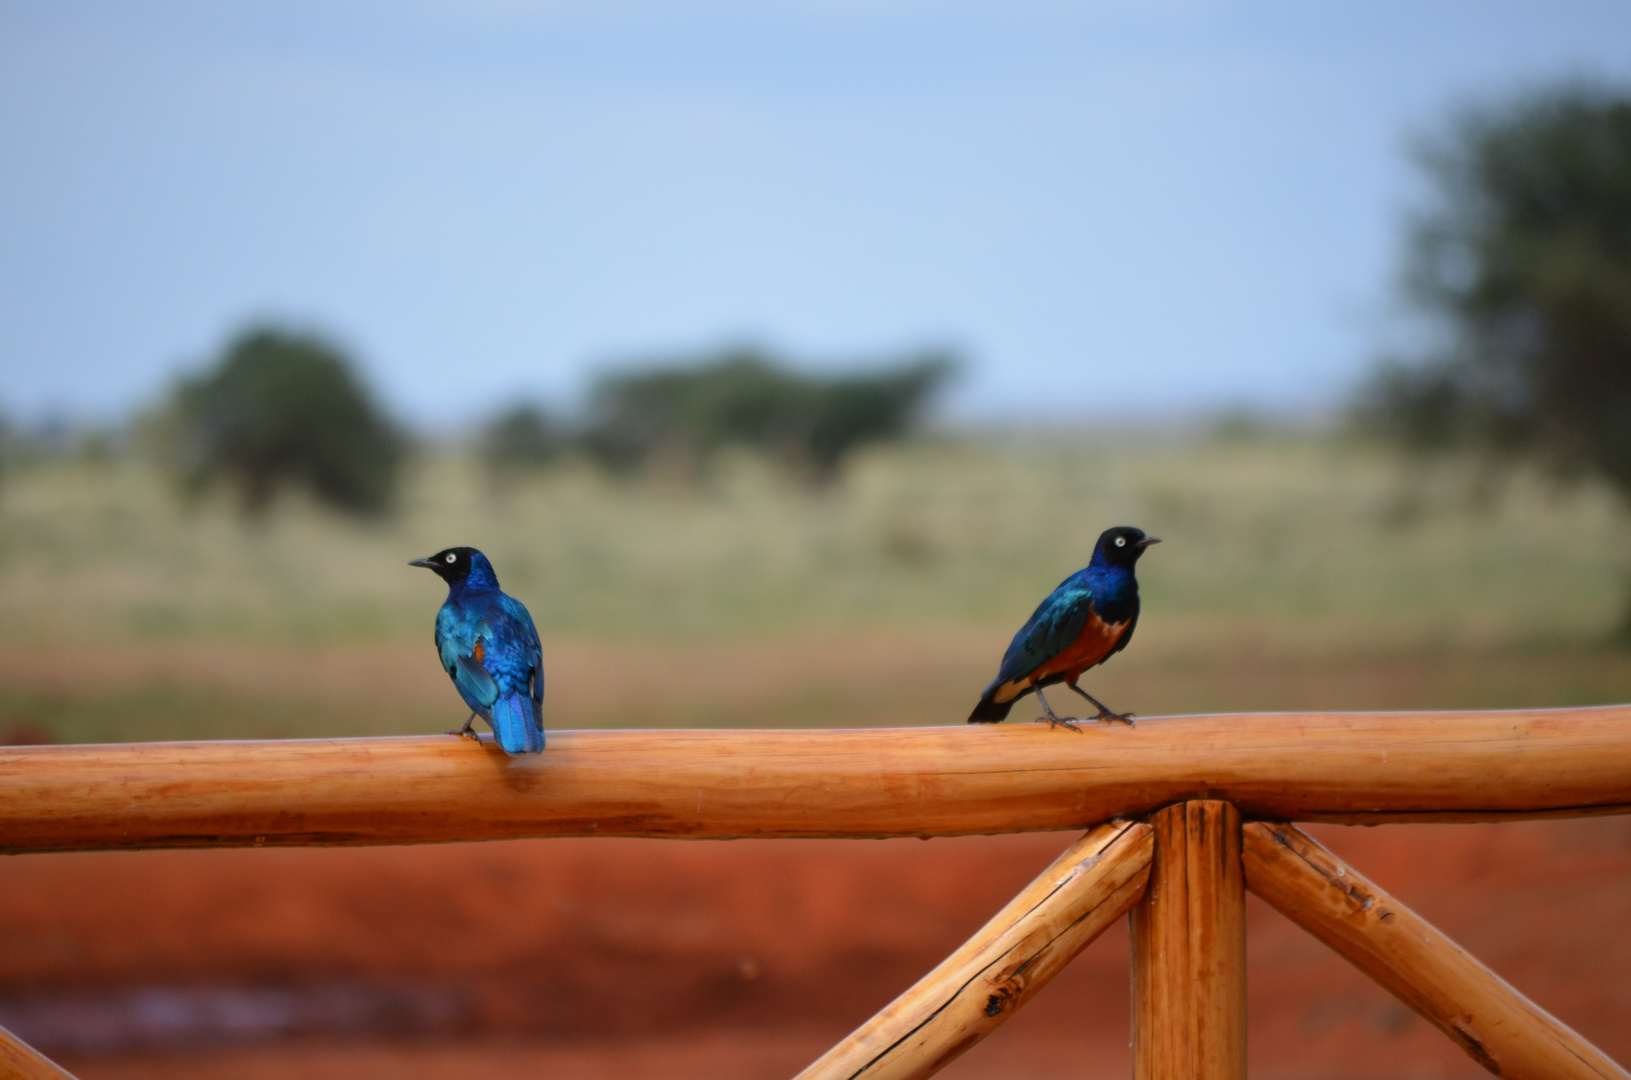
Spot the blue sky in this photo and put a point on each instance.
(1110, 208)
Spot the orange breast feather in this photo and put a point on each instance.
(1091, 645)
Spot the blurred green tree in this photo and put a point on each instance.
(282, 408)
(677, 416)
(522, 438)
(1523, 265)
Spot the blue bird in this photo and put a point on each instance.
(1088, 619)
(490, 649)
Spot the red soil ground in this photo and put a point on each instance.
(602, 958)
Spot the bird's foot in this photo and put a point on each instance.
(466, 732)
(1060, 721)
(1107, 717)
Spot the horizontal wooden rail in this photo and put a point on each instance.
(1498, 1027)
(939, 781)
(1003, 965)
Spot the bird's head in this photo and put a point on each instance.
(455, 565)
(1122, 545)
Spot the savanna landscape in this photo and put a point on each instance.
(782, 358)
(1299, 570)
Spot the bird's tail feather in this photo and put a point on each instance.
(513, 722)
(990, 711)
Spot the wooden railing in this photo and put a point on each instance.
(1183, 815)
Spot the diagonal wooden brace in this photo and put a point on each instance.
(997, 970)
(20, 1061)
(1498, 1027)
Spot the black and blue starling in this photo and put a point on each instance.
(1088, 619)
(490, 649)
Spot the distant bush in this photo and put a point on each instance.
(520, 439)
(678, 416)
(283, 409)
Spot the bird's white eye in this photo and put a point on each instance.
(452, 558)
(1121, 541)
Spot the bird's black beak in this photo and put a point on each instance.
(1144, 543)
(428, 564)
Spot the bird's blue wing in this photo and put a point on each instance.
(514, 655)
(527, 645)
(1056, 623)
(516, 661)
(458, 634)
(474, 682)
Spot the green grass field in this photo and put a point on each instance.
(1297, 572)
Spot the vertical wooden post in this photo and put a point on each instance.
(1189, 949)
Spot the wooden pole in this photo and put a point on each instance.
(1500, 1028)
(1002, 966)
(19, 1061)
(1189, 949)
(938, 781)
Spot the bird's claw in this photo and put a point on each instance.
(463, 733)
(1069, 722)
(1108, 717)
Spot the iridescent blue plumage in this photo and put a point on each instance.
(1086, 620)
(489, 648)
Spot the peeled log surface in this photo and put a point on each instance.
(937, 781)
(1498, 1027)
(1002, 966)
(19, 1061)
(1189, 949)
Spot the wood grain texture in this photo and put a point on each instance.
(938, 781)
(1498, 1027)
(1002, 966)
(19, 1061)
(1189, 949)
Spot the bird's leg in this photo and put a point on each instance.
(1104, 713)
(465, 732)
(1050, 719)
